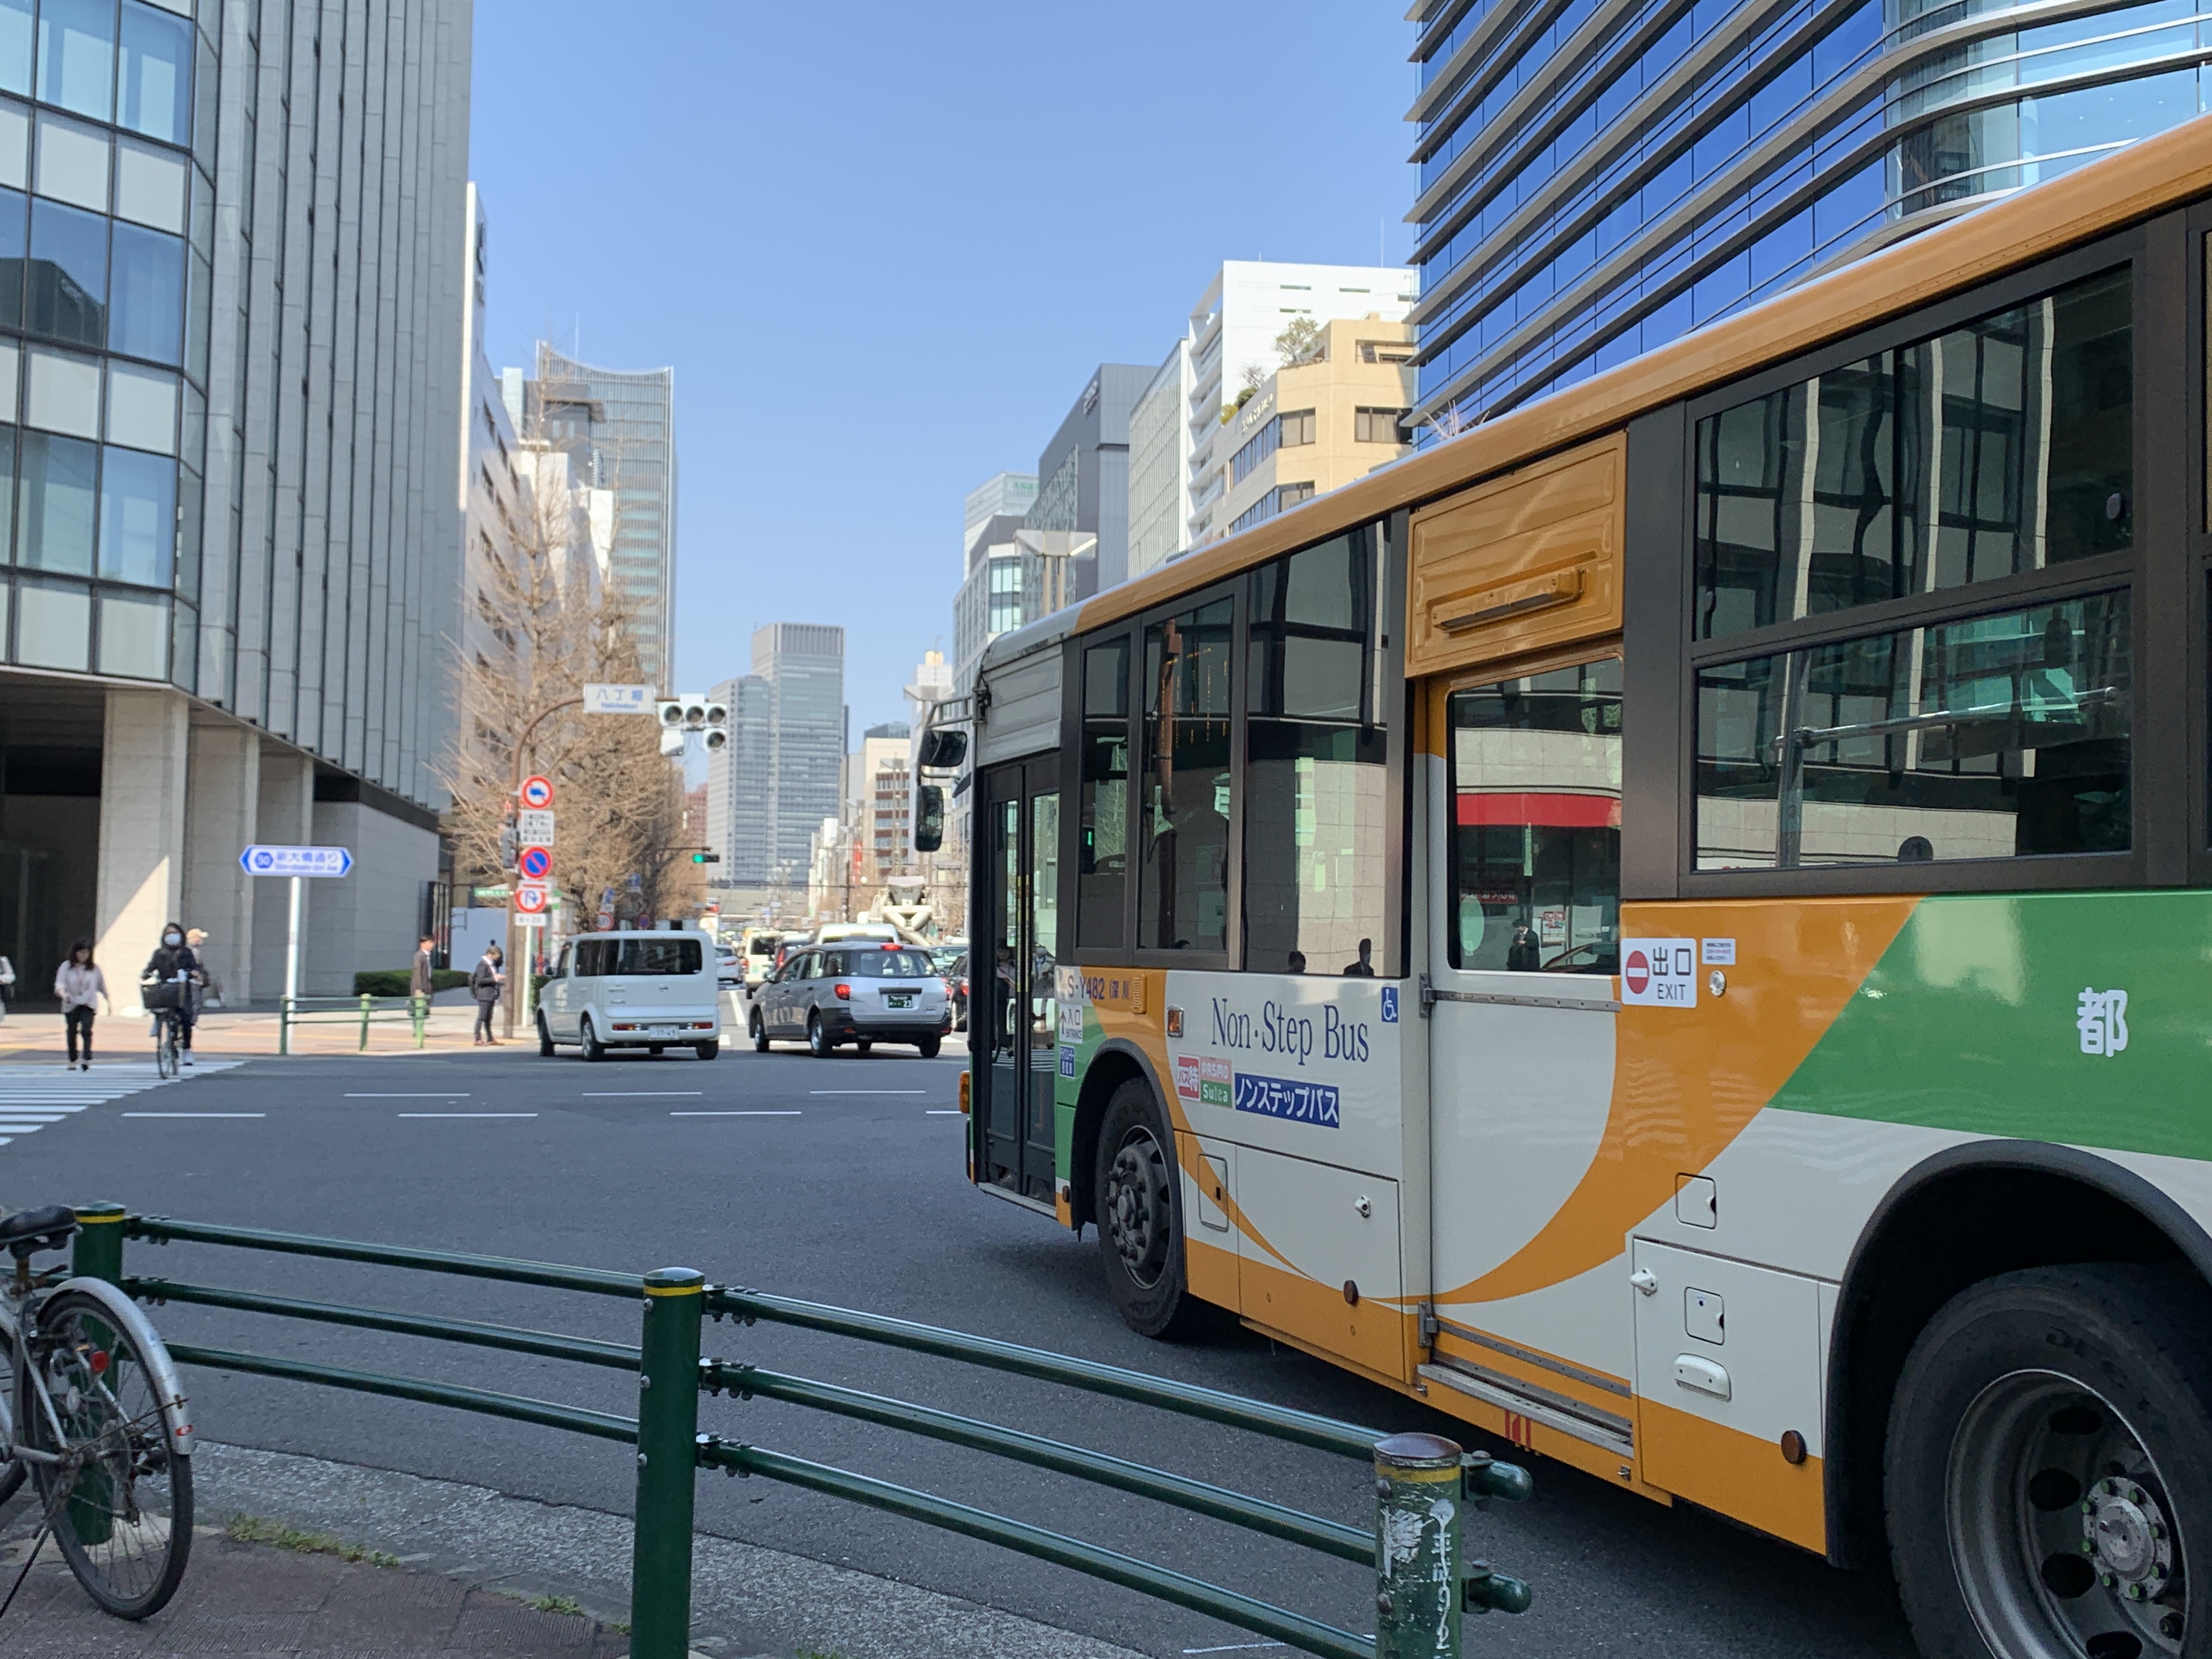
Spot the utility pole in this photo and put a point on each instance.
(512, 998)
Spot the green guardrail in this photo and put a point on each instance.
(363, 1010)
(1422, 1483)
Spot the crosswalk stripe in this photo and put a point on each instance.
(34, 1096)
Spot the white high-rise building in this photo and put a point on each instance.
(1178, 473)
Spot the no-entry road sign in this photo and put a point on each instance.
(537, 792)
(535, 863)
(295, 861)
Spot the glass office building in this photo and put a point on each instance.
(233, 249)
(625, 423)
(1600, 176)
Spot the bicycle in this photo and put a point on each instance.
(165, 998)
(103, 1434)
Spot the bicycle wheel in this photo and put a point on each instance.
(11, 1473)
(121, 1501)
(165, 1049)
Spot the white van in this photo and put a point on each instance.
(632, 990)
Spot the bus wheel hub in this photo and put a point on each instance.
(2125, 1534)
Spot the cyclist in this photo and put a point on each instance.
(174, 965)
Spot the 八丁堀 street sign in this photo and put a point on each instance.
(617, 699)
(295, 861)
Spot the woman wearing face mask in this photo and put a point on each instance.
(173, 964)
(81, 988)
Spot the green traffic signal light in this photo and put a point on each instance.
(706, 858)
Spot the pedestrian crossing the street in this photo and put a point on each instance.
(33, 1097)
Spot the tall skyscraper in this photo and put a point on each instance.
(623, 424)
(1083, 476)
(232, 352)
(781, 775)
(1586, 196)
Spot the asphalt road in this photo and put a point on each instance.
(839, 1181)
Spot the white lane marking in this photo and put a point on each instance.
(196, 1115)
(1237, 1647)
(942, 1111)
(643, 1094)
(468, 1115)
(868, 1091)
(446, 1094)
(783, 1114)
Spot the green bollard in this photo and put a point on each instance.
(97, 1251)
(1417, 1505)
(667, 1459)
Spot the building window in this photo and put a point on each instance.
(1379, 426)
(1386, 351)
(1297, 428)
(1280, 499)
(1263, 443)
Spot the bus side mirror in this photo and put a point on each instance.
(942, 750)
(929, 818)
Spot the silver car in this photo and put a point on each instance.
(863, 993)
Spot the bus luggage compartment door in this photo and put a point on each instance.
(1319, 1257)
(1728, 1387)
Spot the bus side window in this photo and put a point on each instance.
(1535, 823)
(1318, 823)
(1102, 872)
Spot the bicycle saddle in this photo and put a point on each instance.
(27, 1231)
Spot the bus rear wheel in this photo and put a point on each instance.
(1140, 1204)
(2048, 1465)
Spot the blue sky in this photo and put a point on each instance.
(885, 244)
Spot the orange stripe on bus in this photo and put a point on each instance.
(1686, 1082)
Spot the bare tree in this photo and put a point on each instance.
(1450, 421)
(539, 625)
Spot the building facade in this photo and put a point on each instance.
(1334, 415)
(620, 427)
(1004, 495)
(1598, 180)
(782, 771)
(231, 366)
(1178, 478)
(1082, 475)
(879, 806)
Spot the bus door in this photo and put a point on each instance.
(1013, 1017)
(1525, 918)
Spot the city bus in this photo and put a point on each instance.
(1673, 926)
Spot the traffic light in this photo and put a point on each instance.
(681, 716)
(508, 849)
(706, 858)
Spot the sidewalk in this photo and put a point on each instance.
(243, 1598)
(449, 1569)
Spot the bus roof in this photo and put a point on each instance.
(2147, 178)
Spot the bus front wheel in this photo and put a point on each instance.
(1140, 1234)
(2048, 1467)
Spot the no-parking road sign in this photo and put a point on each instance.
(537, 792)
(536, 864)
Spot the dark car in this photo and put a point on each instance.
(862, 993)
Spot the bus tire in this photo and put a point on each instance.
(1140, 1233)
(2048, 1462)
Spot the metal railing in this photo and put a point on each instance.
(364, 1011)
(1423, 1588)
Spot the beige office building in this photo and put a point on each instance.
(1335, 417)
